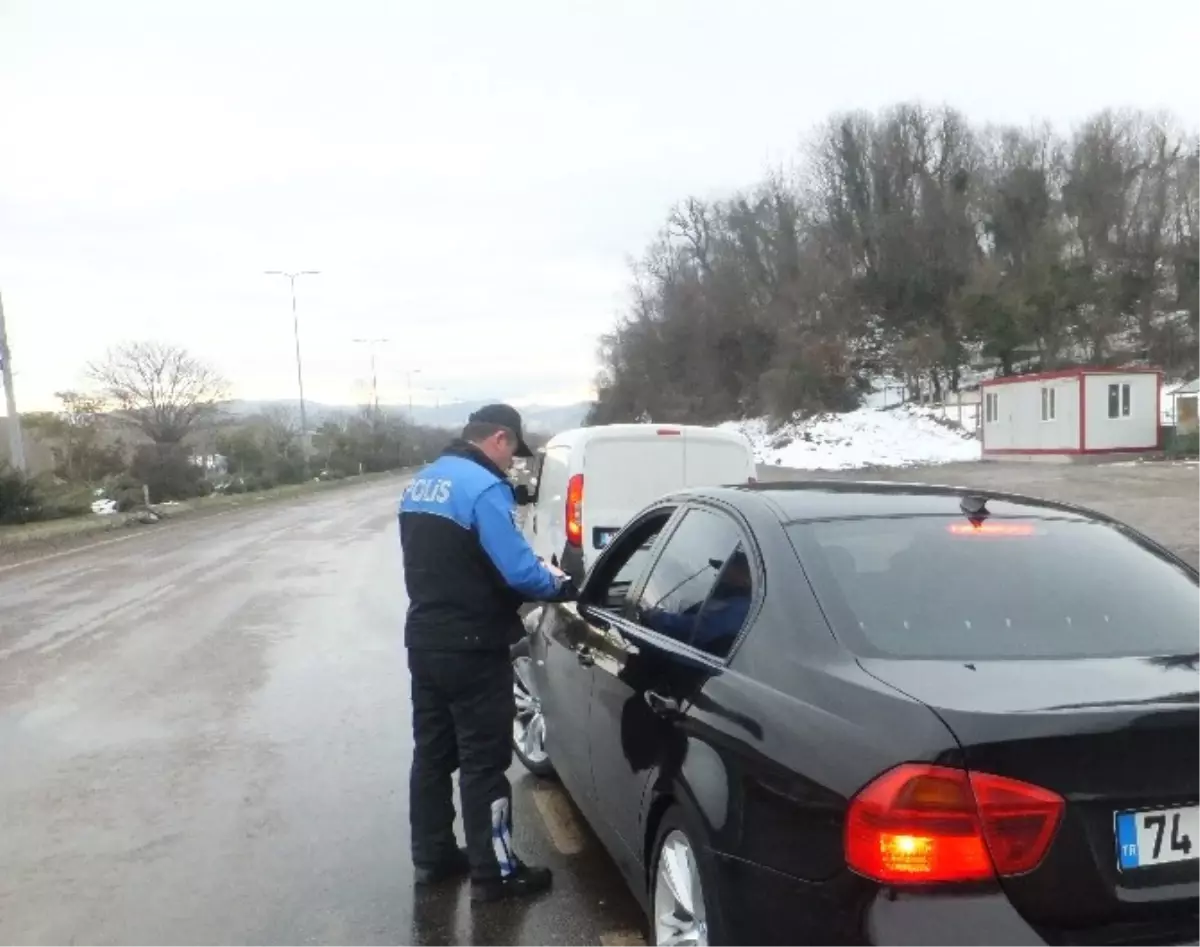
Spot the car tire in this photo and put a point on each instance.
(529, 724)
(690, 904)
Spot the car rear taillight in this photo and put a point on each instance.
(575, 510)
(921, 824)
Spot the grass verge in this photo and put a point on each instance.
(33, 539)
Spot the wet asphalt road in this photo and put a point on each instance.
(205, 738)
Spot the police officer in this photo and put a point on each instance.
(468, 570)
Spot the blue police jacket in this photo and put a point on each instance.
(467, 568)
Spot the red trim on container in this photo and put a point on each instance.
(1158, 425)
(1083, 412)
(1067, 373)
(1033, 450)
(1071, 450)
(1036, 376)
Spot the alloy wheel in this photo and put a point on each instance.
(529, 724)
(679, 912)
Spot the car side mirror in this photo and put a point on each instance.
(524, 495)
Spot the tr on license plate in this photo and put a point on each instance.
(603, 537)
(1157, 837)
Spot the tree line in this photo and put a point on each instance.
(155, 418)
(914, 244)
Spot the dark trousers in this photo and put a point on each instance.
(463, 708)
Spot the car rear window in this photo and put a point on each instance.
(938, 587)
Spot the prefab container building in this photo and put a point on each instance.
(1078, 411)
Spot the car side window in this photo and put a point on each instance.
(618, 571)
(700, 590)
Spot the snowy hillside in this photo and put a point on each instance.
(900, 436)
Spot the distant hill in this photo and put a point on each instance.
(545, 419)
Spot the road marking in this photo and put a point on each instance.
(622, 939)
(560, 821)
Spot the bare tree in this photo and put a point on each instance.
(161, 389)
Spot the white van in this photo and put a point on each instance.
(590, 482)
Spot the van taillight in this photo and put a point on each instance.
(575, 510)
(921, 824)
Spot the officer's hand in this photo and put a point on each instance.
(566, 591)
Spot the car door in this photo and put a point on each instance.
(565, 646)
(645, 675)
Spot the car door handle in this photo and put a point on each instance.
(665, 707)
(585, 657)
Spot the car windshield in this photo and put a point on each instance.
(940, 587)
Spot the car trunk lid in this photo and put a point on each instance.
(1111, 736)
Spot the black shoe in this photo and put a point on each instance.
(452, 867)
(527, 880)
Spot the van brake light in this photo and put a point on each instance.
(575, 510)
(991, 529)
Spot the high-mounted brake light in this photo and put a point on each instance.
(991, 529)
(923, 824)
(575, 510)
(668, 432)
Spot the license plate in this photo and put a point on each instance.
(1157, 837)
(602, 537)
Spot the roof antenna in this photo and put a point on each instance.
(975, 506)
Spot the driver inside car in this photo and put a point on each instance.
(720, 618)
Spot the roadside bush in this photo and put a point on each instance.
(60, 500)
(1181, 445)
(168, 471)
(288, 470)
(19, 499)
(124, 490)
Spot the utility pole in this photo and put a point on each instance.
(291, 278)
(374, 375)
(16, 444)
(411, 417)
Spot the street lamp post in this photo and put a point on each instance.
(374, 376)
(16, 445)
(291, 278)
(411, 417)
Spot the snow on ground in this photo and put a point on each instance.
(900, 436)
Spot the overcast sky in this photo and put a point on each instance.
(469, 177)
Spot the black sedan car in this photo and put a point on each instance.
(877, 713)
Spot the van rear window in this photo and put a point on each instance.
(939, 587)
